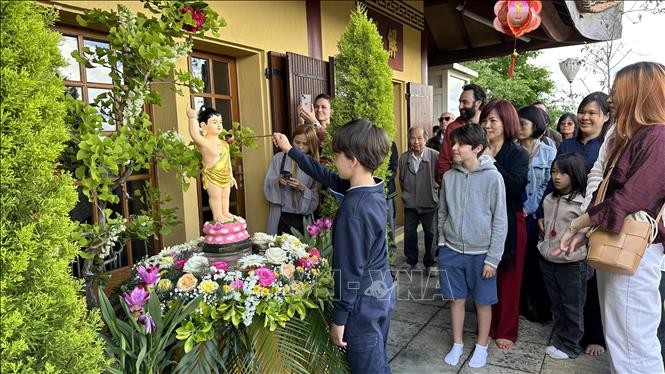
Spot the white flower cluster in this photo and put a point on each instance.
(293, 245)
(261, 238)
(133, 101)
(251, 301)
(190, 246)
(112, 236)
(172, 135)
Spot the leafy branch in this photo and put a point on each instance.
(142, 51)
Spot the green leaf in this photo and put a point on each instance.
(81, 21)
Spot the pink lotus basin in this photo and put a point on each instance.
(227, 239)
(224, 228)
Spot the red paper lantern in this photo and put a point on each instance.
(516, 18)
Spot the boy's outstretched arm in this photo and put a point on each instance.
(310, 166)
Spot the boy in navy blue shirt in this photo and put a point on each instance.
(363, 284)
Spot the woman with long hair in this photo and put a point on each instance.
(292, 194)
(500, 119)
(320, 115)
(631, 304)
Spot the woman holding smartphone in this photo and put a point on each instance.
(319, 115)
(292, 194)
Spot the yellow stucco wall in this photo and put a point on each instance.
(253, 29)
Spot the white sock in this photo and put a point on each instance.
(556, 354)
(452, 358)
(479, 358)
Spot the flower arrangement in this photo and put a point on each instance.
(278, 285)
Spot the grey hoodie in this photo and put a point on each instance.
(472, 211)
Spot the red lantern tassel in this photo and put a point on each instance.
(512, 63)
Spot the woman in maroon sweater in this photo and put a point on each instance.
(631, 305)
(500, 119)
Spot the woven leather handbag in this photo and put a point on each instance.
(621, 253)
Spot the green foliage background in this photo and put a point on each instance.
(529, 83)
(45, 324)
(363, 84)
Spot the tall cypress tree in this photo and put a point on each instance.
(45, 326)
(363, 81)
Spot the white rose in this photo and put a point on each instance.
(275, 255)
(197, 265)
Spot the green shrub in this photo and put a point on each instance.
(45, 324)
(363, 84)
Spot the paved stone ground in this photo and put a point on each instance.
(421, 334)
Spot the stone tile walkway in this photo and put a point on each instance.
(420, 335)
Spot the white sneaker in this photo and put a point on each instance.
(555, 353)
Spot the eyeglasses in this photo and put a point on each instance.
(441, 119)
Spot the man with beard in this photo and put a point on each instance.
(471, 102)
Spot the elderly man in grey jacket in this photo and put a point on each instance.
(420, 195)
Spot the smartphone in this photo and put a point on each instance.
(306, 102)
(285, 174)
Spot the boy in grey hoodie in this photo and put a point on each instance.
(472, 230)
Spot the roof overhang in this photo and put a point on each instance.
(461, 30)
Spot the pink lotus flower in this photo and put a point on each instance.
(266, 276)
(149, 275)
(313, 230)
(220, 265)
(148, 322)
(179, 264)
(314, 253)
(136, 299)
(197, 16)
(237, 284)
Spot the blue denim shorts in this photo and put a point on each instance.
(460, 275)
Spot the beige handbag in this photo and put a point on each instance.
(621, 253)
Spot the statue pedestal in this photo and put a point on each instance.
(229, 253)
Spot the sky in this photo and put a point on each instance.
(645, 38)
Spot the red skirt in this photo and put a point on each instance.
(506, 313)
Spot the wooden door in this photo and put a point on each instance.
(419, 106)
(290, 76)
(305, 75)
